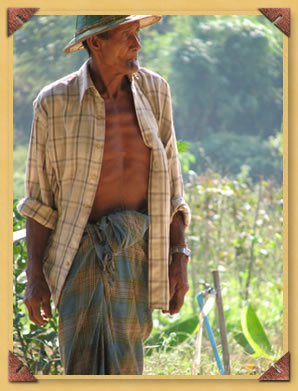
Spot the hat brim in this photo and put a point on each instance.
(76, 43)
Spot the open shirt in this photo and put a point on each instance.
(64, 163)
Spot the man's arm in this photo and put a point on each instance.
(178, 267)
(180, 213)
(39, 209)
(179, 210)
(37, 291)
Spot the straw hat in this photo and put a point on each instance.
(88, 25)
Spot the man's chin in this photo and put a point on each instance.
(133, 66)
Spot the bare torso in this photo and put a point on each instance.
(124, 174)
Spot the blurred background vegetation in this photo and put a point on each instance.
(226, 78)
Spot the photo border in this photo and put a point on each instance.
(169, 7)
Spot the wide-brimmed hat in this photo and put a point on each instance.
(88, 25)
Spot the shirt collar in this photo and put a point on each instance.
(86, 82)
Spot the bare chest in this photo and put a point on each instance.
(123, 138)
(123, 181)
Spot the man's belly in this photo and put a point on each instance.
(123, 184)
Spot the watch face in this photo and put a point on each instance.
(182, 250)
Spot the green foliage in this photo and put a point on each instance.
(38, 61)
(167, 361)
(226, 75)
(253, 338)
(227, 153)
(179, 332)
(237, 228)
(225, 72)
(19, 170)
(182, 146)
(186, 158)
(255, 334)
(242, 341)
(37, 347)
(276, 143)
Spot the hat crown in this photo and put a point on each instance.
(88, 25)
(85, 22)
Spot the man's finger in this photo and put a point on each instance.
(177, 300)
(174, 305)
(27, 304)
(46, 307)
(172, 288)
(37, 318)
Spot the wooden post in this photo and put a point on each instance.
(222, 326)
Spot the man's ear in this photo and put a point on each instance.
(94, 44)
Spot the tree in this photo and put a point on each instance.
(227, 77)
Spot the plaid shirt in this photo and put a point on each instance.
(64, 163)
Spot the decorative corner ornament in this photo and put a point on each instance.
(279, 371)
(16, 17)
(281, 17)
(17, 372)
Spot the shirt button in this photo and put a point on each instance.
(99, 117)
(98, 146)
(94, 177)
(86, 206)
(67, 263)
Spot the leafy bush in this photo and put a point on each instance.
(228, 153)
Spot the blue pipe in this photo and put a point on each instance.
(210, 334)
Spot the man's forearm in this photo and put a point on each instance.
(37, 237)
(178, 266)
(177, 229)
(37, 291)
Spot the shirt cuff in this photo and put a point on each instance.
(39, 212)
(179, 205)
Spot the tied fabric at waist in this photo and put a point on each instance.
(115, 232)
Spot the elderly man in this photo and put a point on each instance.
(104, 202)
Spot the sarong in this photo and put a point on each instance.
(104, 316)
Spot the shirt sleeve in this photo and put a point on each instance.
(38, 203)
(178, 203)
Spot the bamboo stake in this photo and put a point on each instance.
(198, 345)
(222, 326)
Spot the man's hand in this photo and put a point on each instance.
(178, 282)
(38, 295)
(37, 292)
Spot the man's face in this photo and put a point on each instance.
(121, 49)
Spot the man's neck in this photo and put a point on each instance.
(108, 83)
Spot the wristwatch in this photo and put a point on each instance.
(183, 250)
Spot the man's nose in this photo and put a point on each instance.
(136, 42)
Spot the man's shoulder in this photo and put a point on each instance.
(58, 87)
(147, 73)
(150, 78)
(72, 85)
